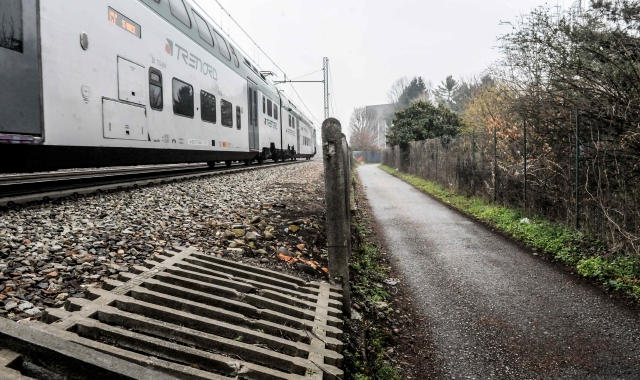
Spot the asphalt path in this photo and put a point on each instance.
(495, 310)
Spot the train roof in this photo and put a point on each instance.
(243, 66)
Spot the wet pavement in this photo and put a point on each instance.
(495, 311)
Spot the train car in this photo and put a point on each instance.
(129, 82)
(306, 140)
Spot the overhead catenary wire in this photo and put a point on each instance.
(303, 103)
(242, 29)
(306, 75)
(255, 44)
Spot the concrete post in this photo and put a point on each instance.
(337, 189)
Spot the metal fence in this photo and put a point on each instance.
(577, 184)
(367, 156)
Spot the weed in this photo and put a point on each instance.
(364, 355)
(388, 373)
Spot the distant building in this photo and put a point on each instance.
(381, 116)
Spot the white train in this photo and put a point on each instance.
(126, 82)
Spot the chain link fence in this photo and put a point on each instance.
(578, 182)
(367, 156)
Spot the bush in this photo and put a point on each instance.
(422, 120)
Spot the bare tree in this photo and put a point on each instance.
(363, 132)
(10, 30)
(397, 89)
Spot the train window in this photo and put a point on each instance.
(238, 117)
(203, 29)
(11, 25)
(250, 104)
(264, 105)
(235, 57)
(208, 107)
(269, 105)
(275, 111)
(222, 45)
(226, 113)
(255, 110)
(182, 98)
(179, 10)
(155, 89)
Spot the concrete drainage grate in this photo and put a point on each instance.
(193, 316)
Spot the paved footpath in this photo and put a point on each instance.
(495, 310)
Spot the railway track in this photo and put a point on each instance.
(24, 188)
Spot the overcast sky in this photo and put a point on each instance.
(372, 43)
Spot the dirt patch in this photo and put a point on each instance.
(291, 231)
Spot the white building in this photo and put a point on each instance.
(381, 115)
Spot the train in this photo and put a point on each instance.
(134, 82)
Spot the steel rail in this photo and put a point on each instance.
(47, 187)
(14, 178)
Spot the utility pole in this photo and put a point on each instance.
(325, 80)
(325, 68)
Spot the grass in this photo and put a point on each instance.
(617, 271)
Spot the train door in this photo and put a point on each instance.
(20, 68)
(126, 118)
(315, 142)
(254, 132)
(298, 134)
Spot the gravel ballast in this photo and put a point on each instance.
(51, 251)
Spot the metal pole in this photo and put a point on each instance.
(577, 171)
(325, 68)
(473, 159)
(495, 164)
(437, 160)
(525, 164)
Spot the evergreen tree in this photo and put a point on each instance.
(412, 92)
(422, 120)
(446, 89)
(405, 91)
